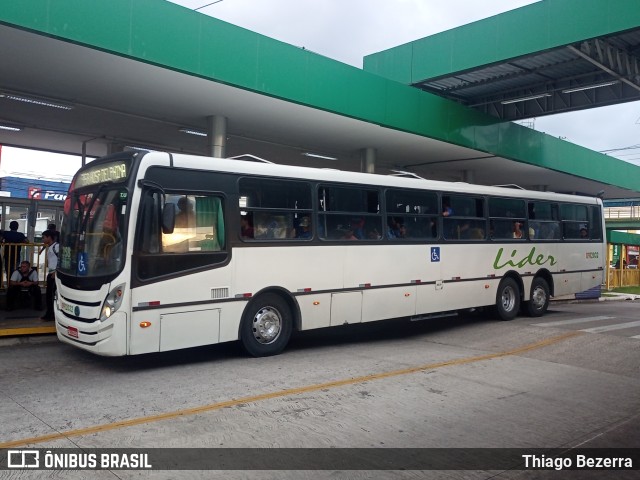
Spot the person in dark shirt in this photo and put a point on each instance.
(25, 278)
(12, 252)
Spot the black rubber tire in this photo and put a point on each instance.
(507, 299)
(539, 298)
(266, 327)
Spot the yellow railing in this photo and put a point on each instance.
(623, 278)
(14, 253)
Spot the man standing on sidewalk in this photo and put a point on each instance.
(53, 249)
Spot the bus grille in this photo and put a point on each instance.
(217, 293)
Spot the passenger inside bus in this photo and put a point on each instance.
(246, 226)
(186, 217)
(517, 232)
(304, 229)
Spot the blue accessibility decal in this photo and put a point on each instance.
(82, 263)
(435, 254)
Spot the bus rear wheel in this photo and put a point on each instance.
(266, 326)
(539, 299)
(508, 299)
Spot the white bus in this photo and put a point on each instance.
(166, 251)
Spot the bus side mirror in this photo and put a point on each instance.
(168, 218)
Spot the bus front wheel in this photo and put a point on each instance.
(266, 326)
(539, 300)
(508, 299)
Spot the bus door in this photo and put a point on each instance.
(180, 274)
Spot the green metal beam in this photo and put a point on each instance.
(176, 38)
(533, 28)
(622, 223)
(623, 238)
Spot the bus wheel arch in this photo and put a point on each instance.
(546, 275)
(509, 296)
(539, 296)
(267, 322)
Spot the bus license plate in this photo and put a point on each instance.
(72, 332)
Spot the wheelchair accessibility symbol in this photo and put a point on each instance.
(435, 254)
(82, 263)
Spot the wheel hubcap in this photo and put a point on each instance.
(539, 297)
(267, 325)
(508, 299)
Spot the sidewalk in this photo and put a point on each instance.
(24, 321)
(605, 297)
(609, 296)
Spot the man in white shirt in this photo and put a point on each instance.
(49, 238)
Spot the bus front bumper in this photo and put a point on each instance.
(107, 338)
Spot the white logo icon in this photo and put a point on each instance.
(23, 459)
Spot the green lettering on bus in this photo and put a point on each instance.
(540, 260)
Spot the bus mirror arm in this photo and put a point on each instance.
(168, 218)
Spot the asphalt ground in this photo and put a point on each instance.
(568, 380)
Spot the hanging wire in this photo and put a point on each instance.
(207, 5)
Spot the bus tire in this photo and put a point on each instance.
(266, 326)
(539, 299)
(508, 299)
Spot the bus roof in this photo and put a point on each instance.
(232, 165)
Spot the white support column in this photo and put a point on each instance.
(368, 160)
(217, 136)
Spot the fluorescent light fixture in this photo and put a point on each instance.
(589, 87)
(10, 128)
(524, 99)
(192, 131)
(317, 155)
(43, 102)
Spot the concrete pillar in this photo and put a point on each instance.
(368, 160)
(217, 136)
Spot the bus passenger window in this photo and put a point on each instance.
(275, 209)
(199, 225)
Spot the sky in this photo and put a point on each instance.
(348, 30)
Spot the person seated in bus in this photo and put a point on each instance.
(24, 278)
(476, 234)
(186, 217)
(246, 226)
(347, 234)
(447, 211)
(462, 229)
(517, 232)
(551, 231)
(304, 228)
(394, 228)
(357, 225)
(374, 234)
(584, 233)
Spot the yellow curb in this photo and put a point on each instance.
(10, 332)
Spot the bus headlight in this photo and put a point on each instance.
(112, 302)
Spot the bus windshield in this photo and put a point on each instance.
(93, 232)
